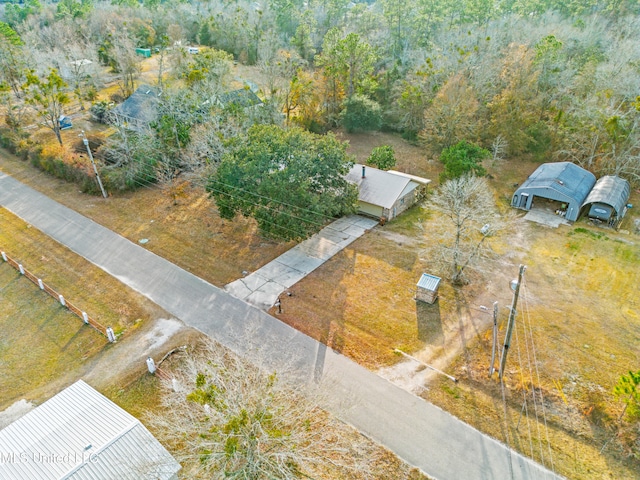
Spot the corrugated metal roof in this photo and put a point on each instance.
(563, 177)
(610, 190)
(429, 282)
(378, 188)
(80, 434)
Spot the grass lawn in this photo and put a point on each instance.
(581, 308)
(44, 347)
(40, 341)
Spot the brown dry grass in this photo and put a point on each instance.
(187, 231)
(581, 306)
(89, 288)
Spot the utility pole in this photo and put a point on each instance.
(512, 319)
(495, 339)
(95, 169)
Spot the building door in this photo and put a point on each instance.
(524, 198)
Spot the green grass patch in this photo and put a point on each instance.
(589, 233)
(39, 339)
(138, 397)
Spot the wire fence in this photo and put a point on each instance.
(106, 331)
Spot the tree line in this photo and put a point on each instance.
(541, 79)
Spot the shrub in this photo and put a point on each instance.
(99, 111)
(461, 159)
(382, 157)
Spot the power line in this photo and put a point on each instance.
(535, 362)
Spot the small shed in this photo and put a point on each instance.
(607, 200)
(427, 288)
(143, 52)
(65, 122)
(79, 434)
(563, 182)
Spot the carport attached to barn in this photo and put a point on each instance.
(563, 182)
(608, 199)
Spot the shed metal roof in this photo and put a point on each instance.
(81, 435)
(380, 188)
(429, 282)
(610, 190)
(565, 178)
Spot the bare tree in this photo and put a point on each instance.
(452, 115)
(499, 148)
(224, 418)
(468, 218)
(126, 60)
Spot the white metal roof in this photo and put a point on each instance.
(81, 435)
(415, 178)
(429, 282)
(379, 187)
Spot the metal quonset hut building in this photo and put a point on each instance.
(608, 199)
(563, 182)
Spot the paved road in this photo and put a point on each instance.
(420, 433)
(263, 287)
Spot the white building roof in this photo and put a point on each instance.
(81, 435)
(382, 188)
(429, 282)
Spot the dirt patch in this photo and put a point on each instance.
(14, 412)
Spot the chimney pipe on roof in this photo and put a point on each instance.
(363, 169)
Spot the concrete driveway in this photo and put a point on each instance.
(263, 287)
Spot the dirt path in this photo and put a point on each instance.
(473, 317)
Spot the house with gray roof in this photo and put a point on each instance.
(384, 195)
(81, 435)
(139, 110)
(242, 97)
(561, 182)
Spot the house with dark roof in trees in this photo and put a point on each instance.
(139, 110)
